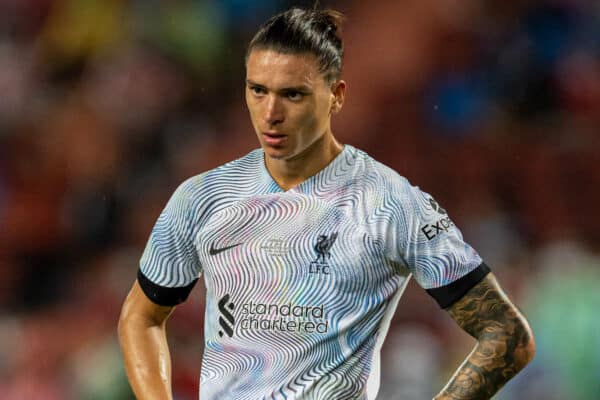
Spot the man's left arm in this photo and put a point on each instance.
(505, 342)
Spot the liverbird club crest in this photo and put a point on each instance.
(323, 249)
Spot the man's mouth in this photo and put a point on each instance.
(274, 134)
(274, 138)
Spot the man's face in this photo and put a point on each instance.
(289, 100)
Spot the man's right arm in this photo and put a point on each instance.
(143, 339)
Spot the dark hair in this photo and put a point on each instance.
(298, 31)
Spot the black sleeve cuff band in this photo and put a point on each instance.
(451, 293)
(164, 296)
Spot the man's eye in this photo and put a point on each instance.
(257, 90)
(294, 96)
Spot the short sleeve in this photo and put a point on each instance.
(169, 267)
(432, 247)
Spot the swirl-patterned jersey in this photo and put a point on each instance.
(301, 285)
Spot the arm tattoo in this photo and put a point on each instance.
(505, 342)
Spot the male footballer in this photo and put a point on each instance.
(305, 246)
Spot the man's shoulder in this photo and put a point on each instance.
(228, 178)
(383, 176)
(248, 165)
(245, 168)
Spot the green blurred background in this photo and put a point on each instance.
(107, 105)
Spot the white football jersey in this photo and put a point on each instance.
(301, 285)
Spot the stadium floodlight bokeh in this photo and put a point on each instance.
(106, 106)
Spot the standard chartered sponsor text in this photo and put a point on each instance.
(287, 317)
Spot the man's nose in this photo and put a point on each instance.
(274, 111)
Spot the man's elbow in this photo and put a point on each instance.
(129, 321)
(525, 349)
(123, 325)
(529, 348)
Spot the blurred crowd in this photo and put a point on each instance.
(107, 105)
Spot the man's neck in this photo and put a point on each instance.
(292, 172)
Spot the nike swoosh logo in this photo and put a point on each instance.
(213, 251)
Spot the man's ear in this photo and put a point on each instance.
(338, 90)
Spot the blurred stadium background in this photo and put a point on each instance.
(107, 105)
